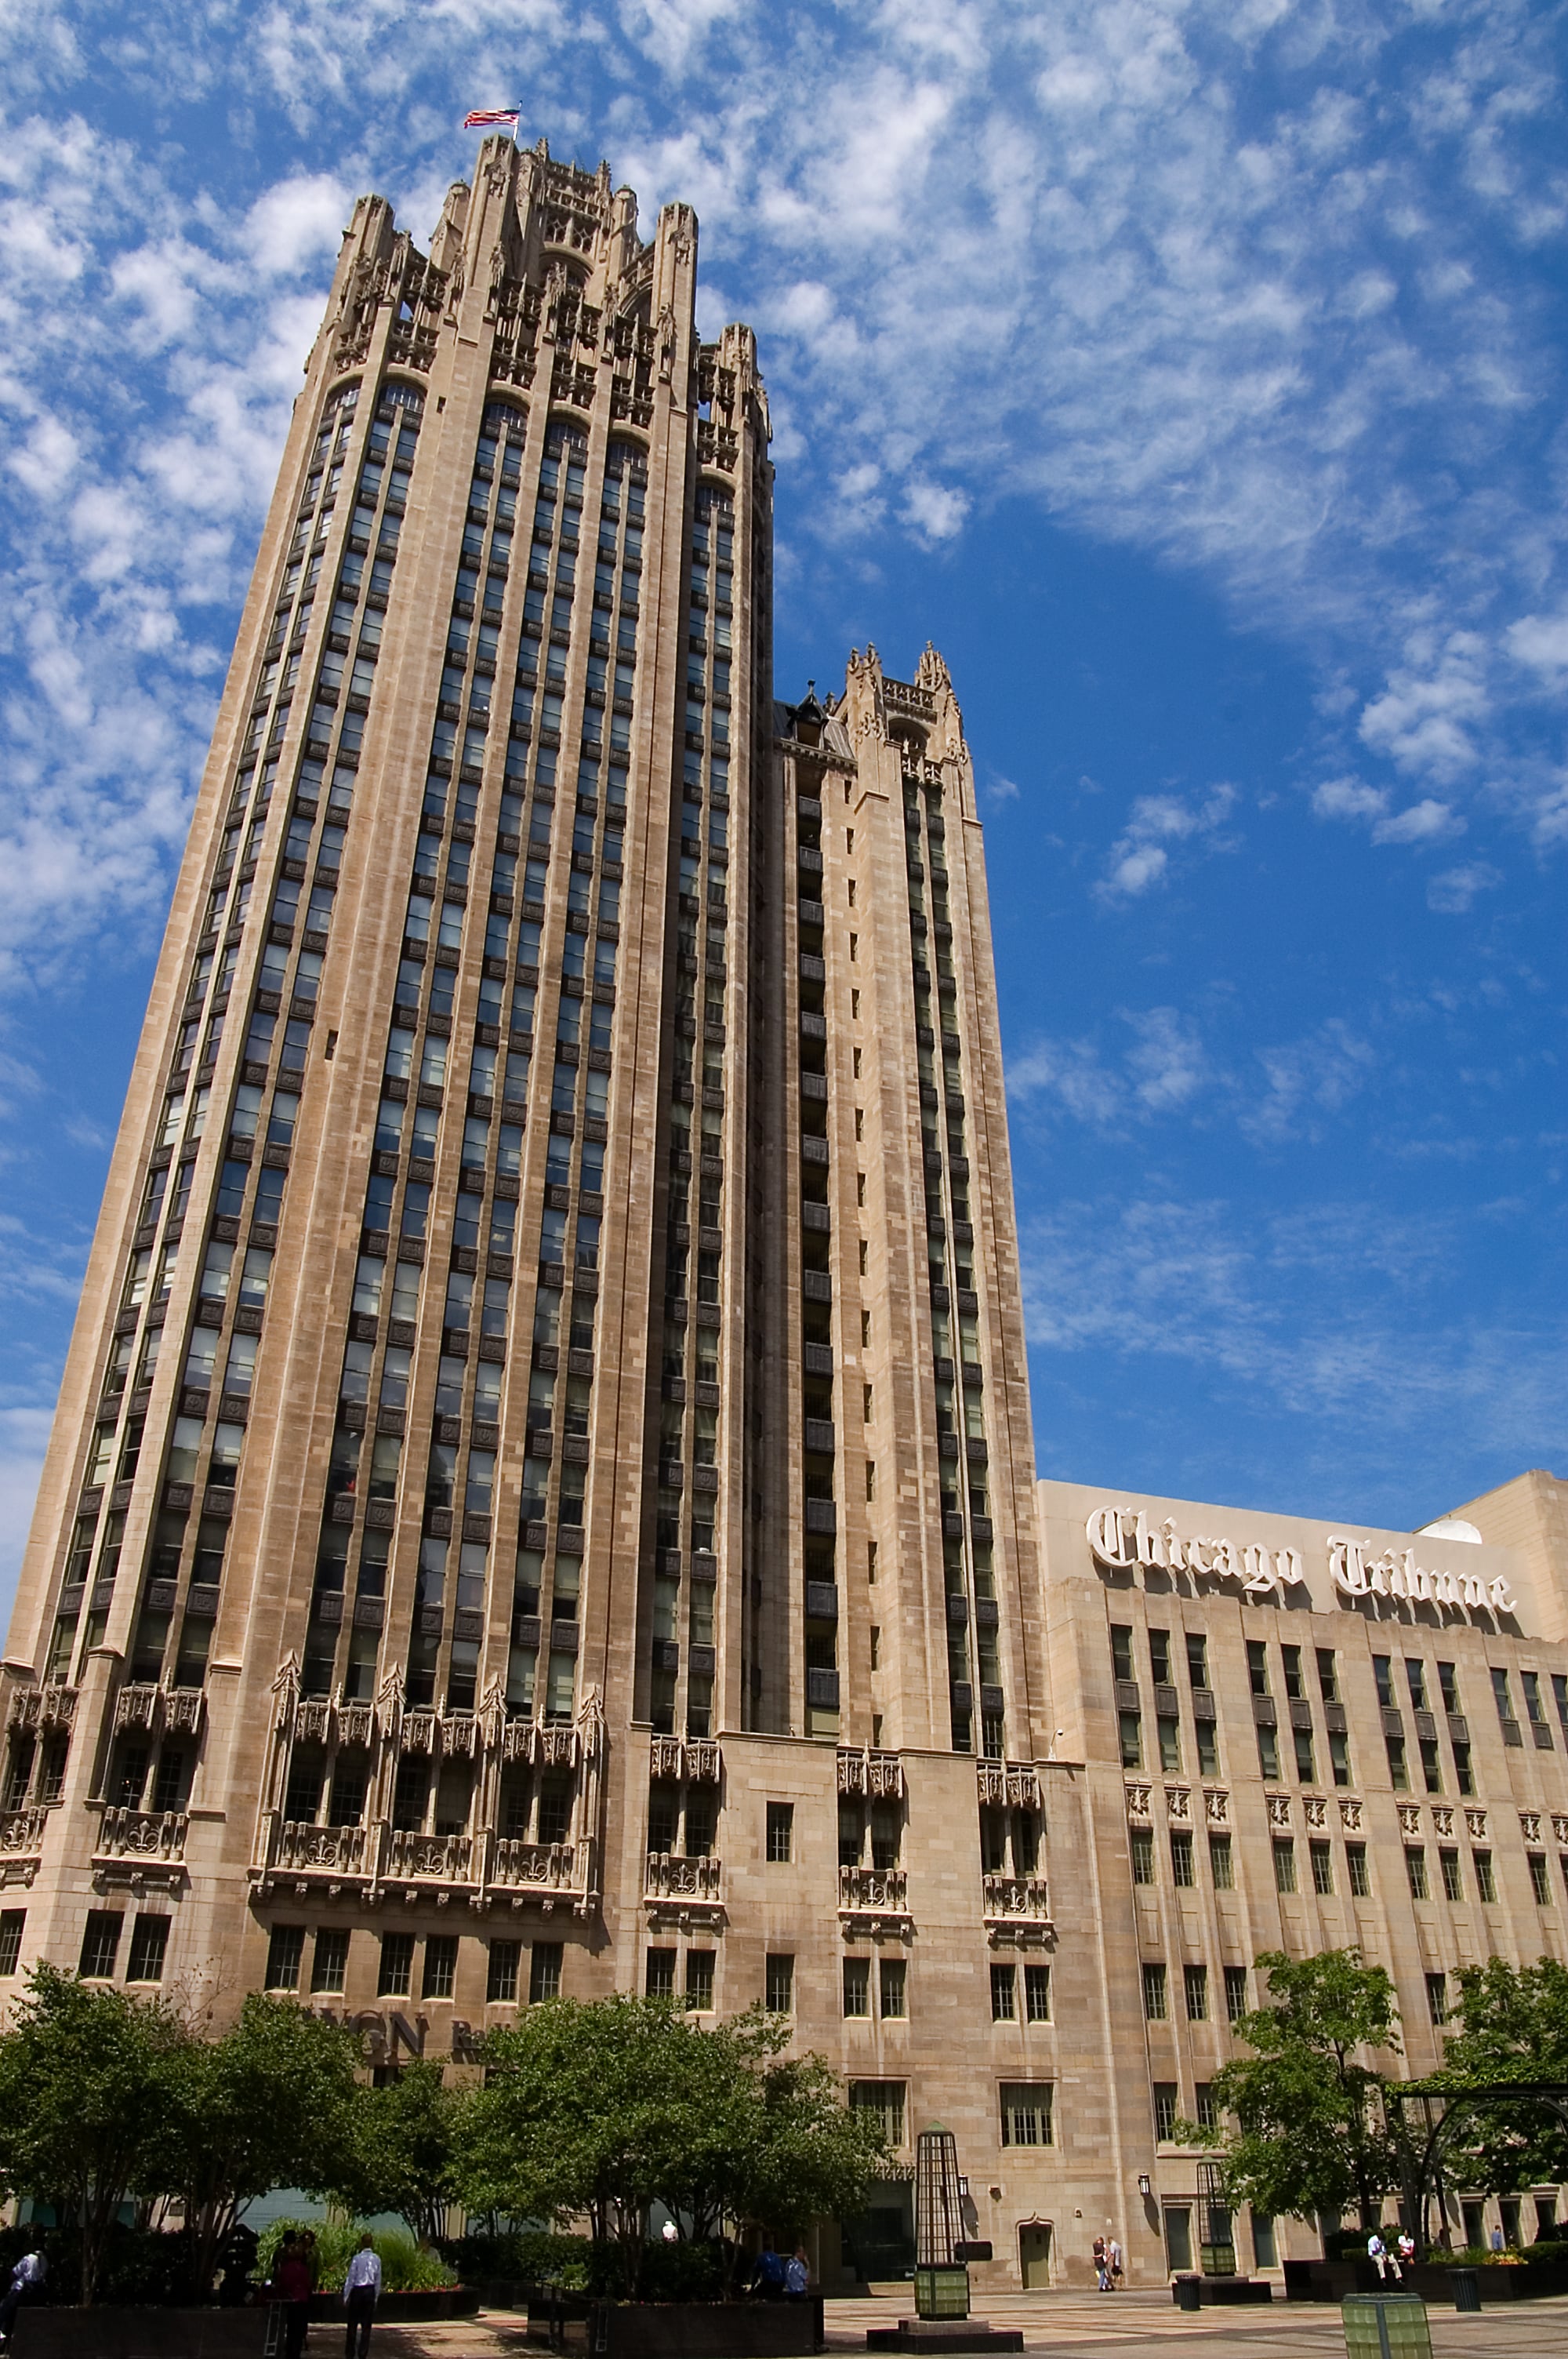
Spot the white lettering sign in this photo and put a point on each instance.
(1119, 1539)
(1398, 1575)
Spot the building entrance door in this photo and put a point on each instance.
(1178, 2237)
(1034, 2255)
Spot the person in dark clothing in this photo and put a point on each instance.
(291, 2286)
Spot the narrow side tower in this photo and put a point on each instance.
(400, 1440)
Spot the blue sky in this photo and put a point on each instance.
(1191, 371)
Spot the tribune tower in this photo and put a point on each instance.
(552, 1338)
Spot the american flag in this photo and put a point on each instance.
(484, 118)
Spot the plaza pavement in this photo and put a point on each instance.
(1069, 2325)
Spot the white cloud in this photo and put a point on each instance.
(296, 222)
(1168, 1063)
(1141, 856)
(1306, 1080)
(1425, 717)
(1348, 799)
(935, 512)
(1454, 891)
(1427, 822)
(1541, 641)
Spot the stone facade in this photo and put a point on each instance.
(542, 1496)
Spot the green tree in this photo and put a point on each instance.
(1513, 2025)
(1310, 2135)
(273, 2103)
(404, 2152)
(600, 2111)
(88, 2104)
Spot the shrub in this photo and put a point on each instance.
(406, 2266)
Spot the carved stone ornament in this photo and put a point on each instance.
(1560, 1826)
(1179, 1802)
(1315, 1810)
(1530, 1825)
(1279, 1810)
(1138, 1801)
(1475, 1822)
(1443, 1819)
(1216, 1806)
(1410, 1819)
(1349, 1812)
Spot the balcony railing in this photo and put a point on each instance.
(535, 1866)
(142, 1834)
(22, 1831)
(1026, 1898)
(883, 1890)
(443, 1859)
(337, 1849)
(672, 1878)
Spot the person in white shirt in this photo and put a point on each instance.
(1387, 2262)
(362, 2289)
(26, 2285)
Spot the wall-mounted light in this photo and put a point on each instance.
(1145, 2184)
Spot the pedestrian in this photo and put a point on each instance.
(797, 2275)
(1497, 2240)
(1407, 2248)
(362, 2291)
(291, 2286)
(1384, 2261)
(768, 2276)
(27, 2286)
(311, 2256)
(1102, 2268)
(1113, 2261)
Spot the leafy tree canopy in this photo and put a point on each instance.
(601, 2110)
(1311, 2136)
(1513, 2025)
(403, 2153)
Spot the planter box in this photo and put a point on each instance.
(1224, 2292)
(1332, 2280)
(688, 2329)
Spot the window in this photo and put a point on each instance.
(1206, 2112)
(1267, 1752)
(1327, 1674)
(396, 1975)
(780, 1830)
(1448, 1862)
(780, 1983)
(1448, 1687)
(1464, 1776)
(1284, 1863)
(1416, 1869)
(1398, 1773)
(886, 2100)
(544, 1972)
(894, 1993)
(1004, 1994)
(1235, 1994)
(1356, 1862)
(1415, 1680)
(286, 1949)
(1383, 1674)
(1169, 1733)
(1437, 1997)
(1258, 1666)
(440, 1965)
(661, 1973)
(1322, 1867)
(1164, 2111)
(1160, 1656)
(1195, 1993)
(1120, 1651)
(13, 1924)
(857, 1986)
(1431, 1768)
(1486, 1882)
(1037, 1993)
(1291, 1657)
(1305, 1771)
(1539, 1883)
(1182, 1858)
(1533, 1711)
(1142, 1855)
(1339, 1757)
(149, 1941)
(1220, 1864)
(1265, 2253)
(1504, 1707)
(330, 1962)
(1197, 1658)
(1026, 2113)
(1154, 1999)
(1132, 1734)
